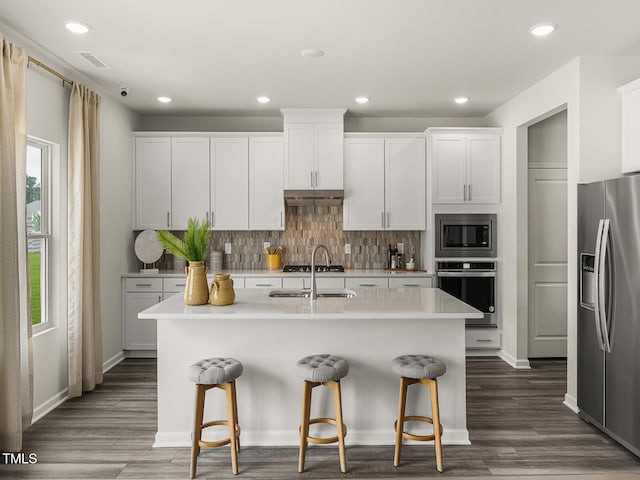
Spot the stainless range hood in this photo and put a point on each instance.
(309, 198)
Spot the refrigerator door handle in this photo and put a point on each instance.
(596, 273)
(602, 304)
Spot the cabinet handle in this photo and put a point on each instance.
(388, 220)
(464, 189)
(311, 178)
(180, 284)
(263, 285)
(281, 218)
(316, 182)
(159, 298)
(469, 192)
(367, 285)
(168, 219)
(143, 284)
(213, 218)
(411, 285)
(483, 340)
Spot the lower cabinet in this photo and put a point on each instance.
(362, 282)
(482, 338)
(420, 282)
(139, 335)
(305, 282)
(263, 282)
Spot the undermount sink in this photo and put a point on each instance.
(306, 293)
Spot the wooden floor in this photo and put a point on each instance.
(517, 422)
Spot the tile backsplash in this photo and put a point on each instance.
(304, 228)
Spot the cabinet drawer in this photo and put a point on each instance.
(482, 338)
(410, 282)
(143, 284)
(297, 282)
(174, 284)
(362, 282)
(263, 282)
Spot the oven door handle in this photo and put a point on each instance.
(466, 274)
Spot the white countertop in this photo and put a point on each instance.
(370, 303)
(350, 272)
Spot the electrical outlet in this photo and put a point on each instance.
(227, 248)
(401, 248)
(347, 249)
(266, 244)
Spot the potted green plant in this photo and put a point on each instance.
(193, 248)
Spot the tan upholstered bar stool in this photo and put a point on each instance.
(425, 370)
(324, 370)
(219, 373)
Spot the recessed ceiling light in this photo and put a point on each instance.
(164, 99)
(312, 53)
(362, 99)
(542, 29)
(77, 27)
(263, 99)
(461, 100)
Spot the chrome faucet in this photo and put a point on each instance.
(314, 290)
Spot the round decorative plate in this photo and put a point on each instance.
(147, 248)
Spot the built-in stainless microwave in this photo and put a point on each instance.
(465, 235)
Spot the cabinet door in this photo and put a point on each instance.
(362, 282)
(152, 183)
(405, 184)
(230, 183)
(483, 182)
(266, 169)
(363, 207)
(407, 282)
(298, 155)
(328, 156)
(449, 168)
(139, 334)
(189, 181)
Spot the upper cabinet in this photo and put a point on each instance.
(630, 127)
(152, 182)
(189, 180)
(313, 148)
(466, 164)
(229, 183)
(266, 169)
(384, 183)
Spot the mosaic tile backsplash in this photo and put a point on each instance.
(304, 228)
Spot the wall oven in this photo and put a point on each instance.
(473, 283)
(465, 235)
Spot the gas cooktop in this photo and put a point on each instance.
(307, 268)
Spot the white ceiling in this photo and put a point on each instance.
(411, 57)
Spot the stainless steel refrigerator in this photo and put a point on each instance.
(609, 307)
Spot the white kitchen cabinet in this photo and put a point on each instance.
(266, 169)
(363, 282)
(313, 148)
(152, 172)
(630, 126)
(189, 180)
(384, 184)
(404, 282)
(229, 183)
(482, 338)
(139, 336)
(466, 165)
(263, 282)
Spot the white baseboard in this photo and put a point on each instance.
(45, 407)
(514, 362)
(282, 438)
(571, 403)
(113, 361)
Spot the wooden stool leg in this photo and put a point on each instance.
(304, 427)
(437, 430)
(402, 401)
(337, 405)
(197, 427)
(231, 415)
(235, 412)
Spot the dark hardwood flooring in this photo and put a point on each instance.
(518, 425)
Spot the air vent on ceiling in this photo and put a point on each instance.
(95, 61)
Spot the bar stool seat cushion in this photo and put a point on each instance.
(214, 371)
(418, 366)
(322, 368)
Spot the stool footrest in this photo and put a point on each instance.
(324, 441)
(411, 436)
(218, 443)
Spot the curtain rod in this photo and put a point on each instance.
(51, 71)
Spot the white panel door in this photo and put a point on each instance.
(189, 180)
(405, 184)
(449, 168)
(152, 183)
(363, 207)
(483, 174)
(328, 156)
(298, 155)
(266, 168)
(547, 263)
(230, 183)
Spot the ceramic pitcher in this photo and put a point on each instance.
(222, 290)
(196, 291)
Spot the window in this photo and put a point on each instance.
(38, 227)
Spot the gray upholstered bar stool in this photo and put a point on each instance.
(425, 370)
(219, 373)
(324, 370)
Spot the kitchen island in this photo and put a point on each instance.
(268, 335)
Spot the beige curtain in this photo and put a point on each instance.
(16, 374)
(85, 332)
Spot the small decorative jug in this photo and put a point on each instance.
(196, 291)
(222, 290)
